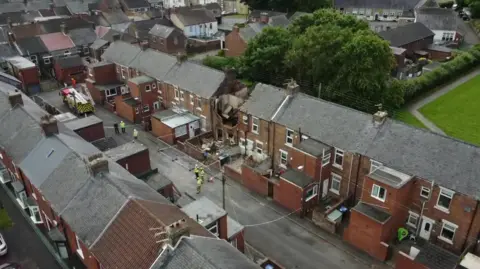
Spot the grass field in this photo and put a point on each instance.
(407, 117)
(457, 112)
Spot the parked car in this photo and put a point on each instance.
(3, 246)
(10, 266)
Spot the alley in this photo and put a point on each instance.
(270, 229)
(24, 245)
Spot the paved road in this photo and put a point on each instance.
(24, 245)
(414, 107)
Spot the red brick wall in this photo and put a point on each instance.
(439, 55)
(254, 181)
(240, 237)
(92, 133)
(164, 132)
(124, 110)
(234, 44)
(89, 260)
(138, 163)
(231, 173)
(288, 195)
(298, 158)
(223, 228)
(64, 75)
(404, 261)
(104, 74)
(97, 95)
(29, 76)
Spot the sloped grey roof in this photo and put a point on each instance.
(98, 43)
(437, 18)
(82, 36)
(298, 14)
(7, 51)
(121, 53)
(396, 4)
(12, 7)
(264, 101)
(406, 34)
(161, 30)
(193, 16)
(279, 21)
(252, 29)
(205, 253)
(154, 63)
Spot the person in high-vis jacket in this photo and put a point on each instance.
(122, 126)
(135, 133)
(199, 185)
(196, 171)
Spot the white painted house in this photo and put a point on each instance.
(174, 3)
(443, 23)
(195, 22)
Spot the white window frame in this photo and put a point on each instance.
(148, 88)
(67, 52)
(86, 50)
(34, 196)
(198, 105)
(257, 149)
(338, 152)
(447, 193)
(156, 105)
(146, 108)
(326, 159)
(108, 92)
(255, 126)
(182, 96)
(424, 189)
(192, 99)
(21, 198)
(336, 178)
(415, 216)
(214, 227)
(282, 160)
(377, 195)
(34, 209)
(154, 85)
(245, 119)
(90, 72)
(234, 242)
(289, 137)
(453, 227)
(374, 165)
(137, 111)
(79, 248)
(79, 50)
(314, 193)
(117, 69)
(177, 94)
(34, 59)
(48, 60)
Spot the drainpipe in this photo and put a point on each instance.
(356, 178)
(273, 146)
(350, 174)
(475, 212)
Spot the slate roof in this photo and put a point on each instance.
(47, 12)
(449, 162)
(121, 53)
(161, 30)
(7, 51)
(78, 7)
(312, 147)
(31, 45)
(197, 252)
(193, 16)
(406, 34)
(433, 256)
(62, 11)
(256, 13)
(125, 150)
(252, 29)
(394, 4)
(437, 18)
(298, 14)
(115, 17)
(82, 36)
(69, 62)
(131, 4)
(12, 7)
(264, 101)
(3, 34)
(83, 122)
(37, 5)
(108, 36)
(98, 43)
(140, 29)
(57, 41)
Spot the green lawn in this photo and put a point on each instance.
(408, 118)
(457, 112)
(238, 16)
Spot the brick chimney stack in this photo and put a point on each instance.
(98, 163)
(63, 28)
(15, 98)
(49, 125)
(176, 230)
(380, 116)
(292, 87)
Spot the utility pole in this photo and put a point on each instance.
(223, 191)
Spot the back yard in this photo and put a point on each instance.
(457, 112)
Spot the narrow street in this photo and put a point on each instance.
(275, 232)
(24, 245)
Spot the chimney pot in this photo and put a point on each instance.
(98, 164)
(15, 98)
(380, 116)
(49, 125)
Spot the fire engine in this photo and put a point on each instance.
(79, 103)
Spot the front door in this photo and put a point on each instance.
(426, 228)
(325, 188)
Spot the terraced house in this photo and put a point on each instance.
(372, 175)
(158, 89)
(90, 206)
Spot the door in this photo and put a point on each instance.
(191, 131)
(270, 189)
(325, 188)
(426, 228)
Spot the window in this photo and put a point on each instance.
(111, 92)
(412, 219)
(79, 50)
(47, 60)
(35, 214)
(33, 58)
(213, 228)
(245, 119)
(444, 199)
(182, 96)
(379, 193)
(136, 110)
(177, 94)
(283, 158)
(425, 192)
(326, 159)
(338, 162)
(66, 53)
(448, 231)
(86, 50)
(154, 85)
(255, 123)
(79, 248)
(234, 243)
(175, 41)
(148, 88)
(243, 142)
(289, 137)
(124, 72)
(311, 193)
(374, 165)
(259, 147)
(335, 183)
(90, 72)
(22, 199)
(192, 100)
(146, 108)
(198, 104)
(118, 69)
(156, 105)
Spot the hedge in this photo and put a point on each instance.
(447, 72)
(220, 63)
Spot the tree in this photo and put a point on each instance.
(263, 58)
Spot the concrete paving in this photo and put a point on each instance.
(24, 245)
(416, 105)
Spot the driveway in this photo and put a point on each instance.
(24, 245)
